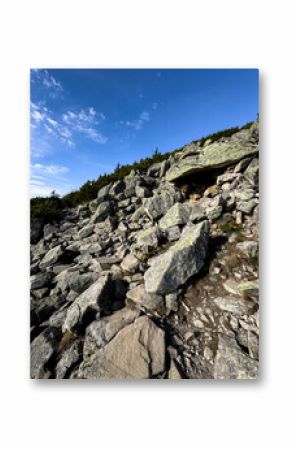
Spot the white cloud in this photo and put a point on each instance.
(46, 178)
(155, 106)
(139, 122)
(44, 78)
(49, 169)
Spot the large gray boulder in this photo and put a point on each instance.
(103, 210)
(98, 297)
(212, 156)
(178, 214)
(232, 363)
(51, 257)
(136, 352)
(184, 259)
(158, 204)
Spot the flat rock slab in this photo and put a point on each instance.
(100, 332)
(215, 155)
(184, 259)
(136, 352)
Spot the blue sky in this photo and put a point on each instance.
(84, 122)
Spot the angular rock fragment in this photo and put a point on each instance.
(98, 297)
(101, 331)
(231, 362)
(184, 259)
(136, 352)
(41, 350)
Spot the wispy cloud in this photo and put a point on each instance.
(139, 122)
(85, 122)
(155, 105)
(49, 169)
(45, 79)
(67, 127)
(46, 178)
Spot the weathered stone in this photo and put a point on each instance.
(104, 191)
(86, 231)
(69, 359)
(248, 247)
(174, 372)
(102, 211)
(100, 332)
(130, 263)
(215, 155)
(158, 204)
(171, 301)
(226, 177)
(180, 262)
(249, 288)
(151, 301)
(236, 305)
(98, 297)
(40, 280)
(231, 362)
(136, 352)
(42, 348)
(142, 192)
(196, 213)
(246, 206)
(147, 239)
(173, 233)
(178, 214)
(51, 257)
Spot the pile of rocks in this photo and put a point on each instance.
(158, 276)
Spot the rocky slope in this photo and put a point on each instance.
(158, 276)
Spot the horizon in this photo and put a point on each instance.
(86, 121)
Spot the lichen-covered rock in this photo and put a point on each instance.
(158, 204)
(215, 155)
(103, 210)
(136, 352)
(178, 214)
(184, 259)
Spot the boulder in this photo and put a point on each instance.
(231, 362)
(184, 259)
(143, 299)
(178, 214)
(41, 350)
(100, 332)
(102, 211)
(98, 297)
(215, 155)
(40, 280)
(130, 263)
(136, 352)
(69, 359)
(51, 257)
(158, 204)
